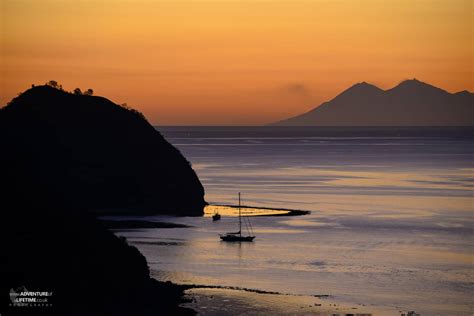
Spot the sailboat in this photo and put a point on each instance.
(237, 236)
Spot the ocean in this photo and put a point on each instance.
(391, 220)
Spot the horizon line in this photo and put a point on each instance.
(319, 126)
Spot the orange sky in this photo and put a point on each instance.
(232, 62)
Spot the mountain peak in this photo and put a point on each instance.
(412, 82)
(414, 85)
(463, 92)
(359, 89)
(364, 85)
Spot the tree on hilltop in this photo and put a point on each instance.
(52, 83)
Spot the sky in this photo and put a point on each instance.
(229, 62)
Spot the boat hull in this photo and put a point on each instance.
(235, 238)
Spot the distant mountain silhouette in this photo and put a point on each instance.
(87, 153)
(411, 103)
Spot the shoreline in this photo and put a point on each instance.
(244, 289)
(234, 301)
(119, 224)
(289, 212)
(123, 223)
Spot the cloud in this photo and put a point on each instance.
(297, 89)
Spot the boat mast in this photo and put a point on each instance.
(240, 219)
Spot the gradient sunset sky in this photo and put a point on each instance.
(231, 62)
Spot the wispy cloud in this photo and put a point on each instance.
(297, 89)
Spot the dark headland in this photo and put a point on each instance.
(411, 103)
(86, 152)
(66, 158)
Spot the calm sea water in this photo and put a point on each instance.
(391, 223)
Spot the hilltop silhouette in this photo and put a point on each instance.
(65, 157)
(84, 152)
(411, 103)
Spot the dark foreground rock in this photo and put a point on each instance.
(89, 270)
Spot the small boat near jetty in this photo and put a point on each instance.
(237, 236)
(216, 217)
